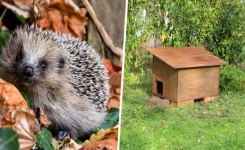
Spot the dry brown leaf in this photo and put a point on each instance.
(115, 80)
(115, 91)
(37, 127)
(24, 124)
(110, 144)
(15, 9)
(55, 143)
(111, 133)
(43, 118)
(10, 99)
(27, 4)
(118, 90)
(64, 17)
(72, 146)
(16, 114)
(111, 67)
(114, 101)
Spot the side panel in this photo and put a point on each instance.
(168, 76)
(198, 83)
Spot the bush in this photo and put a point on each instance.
(232, 79)
(216, 25)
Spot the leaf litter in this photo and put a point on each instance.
(66, 17)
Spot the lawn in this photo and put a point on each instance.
(216, 125)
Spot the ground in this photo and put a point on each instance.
(216, 125)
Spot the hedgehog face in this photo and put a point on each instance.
(28, 60)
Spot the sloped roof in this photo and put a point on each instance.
(186, 57)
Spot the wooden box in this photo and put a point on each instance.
(185, 74)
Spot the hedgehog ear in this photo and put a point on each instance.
(61, 62)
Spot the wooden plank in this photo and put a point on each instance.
(178, 104)
(168, 76)
(198, 83)
(186, 57)
(108, 12)
(204, 100)
(207, 99)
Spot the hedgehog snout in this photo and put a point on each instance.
(28, 71)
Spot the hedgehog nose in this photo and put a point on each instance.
(28, 71)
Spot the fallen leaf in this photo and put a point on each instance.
(115, 79)
(115, 91)
(72, 145)
(111, 133)
(24, 124)
(10, 99)
(114, 101)
(27, 4)
(9, 139)
(110, 120)
(111, 67)
(110, 144)
(118, 90)
(55, 143)
(43, 118)
(37, 127)
(44, 139)
(14, 113)
(64, 17)
(15, 9)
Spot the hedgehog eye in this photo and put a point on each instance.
(61, 63)
(18, 57)
(44, 64)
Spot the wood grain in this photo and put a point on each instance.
(186, 57)
(166, 74)
(198, 83)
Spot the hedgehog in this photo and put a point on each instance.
(60, 74)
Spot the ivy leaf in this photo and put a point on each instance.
(4, 36)
(24, 95)
(44, 139)
(8, 139)
(110, 120)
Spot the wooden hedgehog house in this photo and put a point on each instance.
(185, 74)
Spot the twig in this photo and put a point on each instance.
(116, 50)
(72, 4)
(20, 12)
(4, 12)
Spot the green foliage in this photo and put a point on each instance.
(44, 140)
(110, 121)
(232, 79)
(20, 18)
(216, 25)
(216, 125)
(4, 36)
(24, 95)
(8, 139)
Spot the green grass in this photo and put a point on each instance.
(216, 125)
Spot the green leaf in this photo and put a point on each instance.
(78, 142)
(8, 139)
(110, 120)
(20, 18)
(44, 139)
(24, 95)
(4, 36)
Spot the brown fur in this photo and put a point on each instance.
(49, 88)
